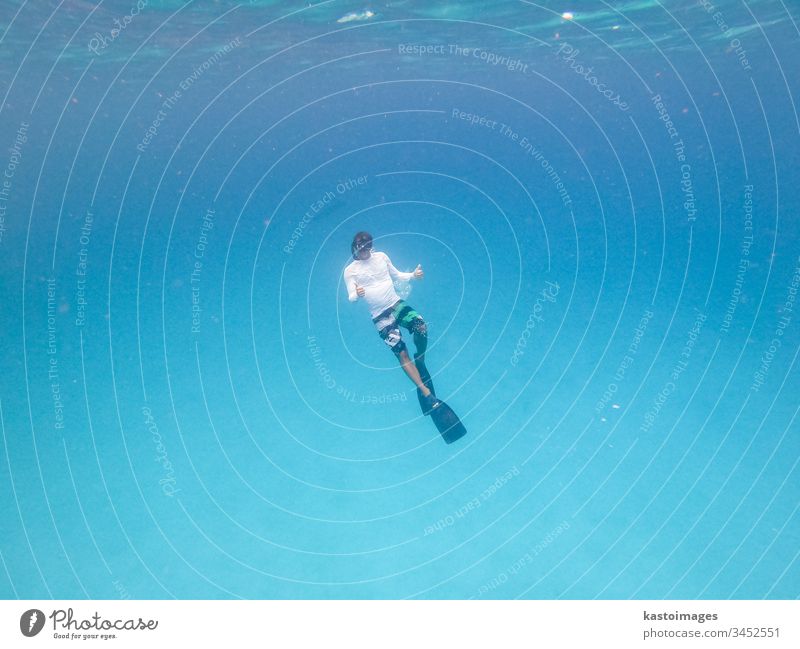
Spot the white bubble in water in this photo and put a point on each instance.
(403, 289)
(356, 15)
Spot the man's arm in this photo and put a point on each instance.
(396, 274)
(350, 283)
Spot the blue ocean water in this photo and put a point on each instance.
(603, 199)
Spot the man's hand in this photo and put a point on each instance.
(360, 291)
(418, 274)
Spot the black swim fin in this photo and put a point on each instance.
(446, 421)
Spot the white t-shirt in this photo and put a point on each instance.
(375, 275)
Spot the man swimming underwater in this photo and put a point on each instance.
(370, 276)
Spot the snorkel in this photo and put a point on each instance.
(362, 241)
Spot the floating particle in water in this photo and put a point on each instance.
(567, 15)
(356, 15)
(615, 406)
(615, 27)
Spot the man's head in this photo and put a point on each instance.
(361, 246)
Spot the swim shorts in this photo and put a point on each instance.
(388, 323)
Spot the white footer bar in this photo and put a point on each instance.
(401, 624)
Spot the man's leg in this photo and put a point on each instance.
(420, 331)
(389, 324)
(392, 337)
(412, 371)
